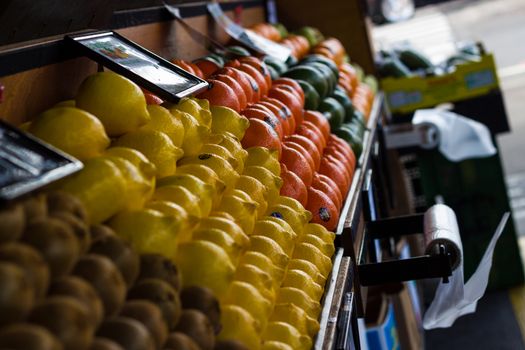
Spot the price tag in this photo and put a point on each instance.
(131, 60)
(27, 163)
(248, 37)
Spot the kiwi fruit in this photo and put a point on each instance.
(35, 207)
(162, 294)
(150, 316)
(105, 278)
(99, 231)
(59, 201)
(198, 327)
(32, 262)
(202, 299)
(180, 341)
(79, 227)
(56, 242)
(12, 223)
(24, 336)
(121, 253)
(82, 291)
(229, 345)
(130, 334)
(67, 319)
(104, 344)
(158, 266)
(16, 294)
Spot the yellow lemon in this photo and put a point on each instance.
(232, 144)
(224, 215)
(139, 189)
(288, 334)
(295, 205)
(222, 239)
(257, 277)
(319, 231)
(219, 165)
(203, 263)
(300, 298)
(280, 222)
(262, 156)
(179, 214)
(199, 109)
(248, 297)
(195, 135)
(225, 120)
(162, 120)
(136, 158)
(100, 186)
(309, 268)
(294, 315)
(270, 248)
(71, 130)
(117, 101)
(229, 226)
(311, 253)
(275, 345)
(239, 324)
(242, 210)
(264, 263)
(66, 103)
(221, 152)
(181, 196)
(256, 190)
(272, 182)
(156, 146)
(148, 231)
(300, 279)
(328, 249)
(283, 237)
(295, 219)
(196, 186)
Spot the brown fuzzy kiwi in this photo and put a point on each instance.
(158, 266)
(32, 262)
(150, 316)
(105, 278)
(56, 242)
(12, 223)
(35, 207)
(82, 291)
(162, 294)
(127, 332)
(180, 341)
(198, 327)
(67, 319)
(99, 231)
(104, 344)
(230, 345)
(202, 299)
(59, 201)
(25, 336)
(16, 294)
(79, 227)
(121, 253)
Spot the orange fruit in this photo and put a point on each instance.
(220, 94)
(261, 134)
(346, 84)
(323, 51)
(264, 114)
(309, 146)
(196, 70)
(333, 185)
(324, 211)
(292, 45)
(348, 70)
(287, 112)
(184, 65)
(347, 162)
(207, 66)
(257, 76)
(324, 187)
(297, 163)
(260, 66)
(318, 131)
(319, 120)
(279, 113)
(237, 88)
(290, 100)
(314, 136)
(293, 186)
(247, 83)
(291, 83)
(151, 98)
(336, 173)
(303, 151)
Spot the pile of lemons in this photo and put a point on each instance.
(175, 180)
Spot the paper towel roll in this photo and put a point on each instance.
(441, 228)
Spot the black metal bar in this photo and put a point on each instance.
(405, 270)
(397, 226)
